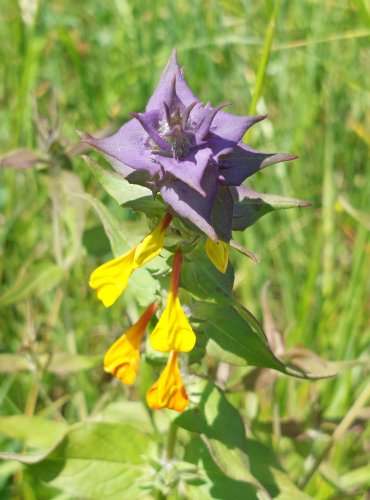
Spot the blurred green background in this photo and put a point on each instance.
(84, 65)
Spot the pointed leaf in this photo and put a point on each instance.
(112, 229)
(234, 339)
(249, 206)
(115, 185)
(137, 197)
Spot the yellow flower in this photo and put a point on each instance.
(110, 279)
(168, 391)
(218, 254)
(122, 358)
(173, 331)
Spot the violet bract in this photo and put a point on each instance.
(193, 155)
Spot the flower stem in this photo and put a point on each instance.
(171, 441)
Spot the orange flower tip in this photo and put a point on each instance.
(169, 391)
(177, 401)
(125, 373)
(180, 405)
(122, 361)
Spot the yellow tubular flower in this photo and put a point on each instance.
(218, 254)
(122, 358)
(173, 331)
(110, 279)
(168, 391)
(151, 246)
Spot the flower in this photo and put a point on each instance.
(122, 358)
(110, 279)
(168, 391)
(173, 331)
(193, 155)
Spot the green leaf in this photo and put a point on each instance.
(233, 339)
(138, 198)
(33, 432)
(129, 412)
(223, 432)
(95, 241)
(97, 460)
(142, 286)
(40, 279)
(200, 277)
(148, 205)
(254, 205)
(212, 482)
(112, 228)
(236, 337)
(115, 185)
(231, 462)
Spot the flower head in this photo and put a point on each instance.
(168, 391)
(122, 358)
(192, 154)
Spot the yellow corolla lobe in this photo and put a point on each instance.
(173, 331)
(110, 279)
(218, 254)
(169, 391)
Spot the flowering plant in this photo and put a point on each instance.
(183, 165)
(192, 159)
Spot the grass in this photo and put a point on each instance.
(305, 63)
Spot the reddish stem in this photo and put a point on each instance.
(147, 314)
(176, 271)
(166, 221)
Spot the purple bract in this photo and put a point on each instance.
(193, 155)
